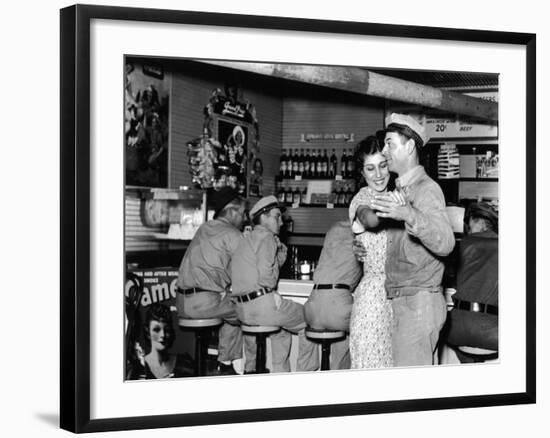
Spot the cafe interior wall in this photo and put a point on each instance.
(286, 113)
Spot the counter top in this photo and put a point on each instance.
(295, 288)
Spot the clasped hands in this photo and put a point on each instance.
(393, 205)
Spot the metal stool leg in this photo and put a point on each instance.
(325, 355)
(260, 353)
(201, 339)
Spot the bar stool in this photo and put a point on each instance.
(478, 355)
(325, 338)
(261, 332)
(202, 328)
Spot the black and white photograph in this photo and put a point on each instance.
(274, 218)
(374, 243)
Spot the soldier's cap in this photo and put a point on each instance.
(485, 211)
(410, 122)
(263, 206)
(222, 197)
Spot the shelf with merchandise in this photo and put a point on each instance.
(303, 178)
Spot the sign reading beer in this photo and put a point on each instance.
(440, 126)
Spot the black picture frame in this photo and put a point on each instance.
(75, 217)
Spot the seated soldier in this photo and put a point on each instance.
(473, 322)
(254, 275)
(204, 279)
(329, 304)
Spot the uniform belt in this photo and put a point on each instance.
(252, 295)
(331, 286)
(472, 306)
(408, 292)
(192, 290)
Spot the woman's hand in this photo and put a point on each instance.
(359, 250)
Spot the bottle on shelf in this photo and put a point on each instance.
(303, 194)
(319, 164)
(350, 164)
(341, 197)
(294, 261)
(288, 163)
(281, 194)
(474, 160)
(283, 163)
(296, 196)
(288, 195)
(307, 167)
(288, 223)
(301, 163)
(478, 166)
(313, 164)
(326, 164)
(336, 200)
(333, 166)
(483, 168)
(488, 164)
(295, 163)
(344, 165)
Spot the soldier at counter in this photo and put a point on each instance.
(473, 322)
(254, 274)
(204, 278)
(329, 304)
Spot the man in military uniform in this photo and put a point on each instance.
(254, 274)
(204, 278)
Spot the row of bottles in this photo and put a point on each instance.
(311, 163)
(289, 196)
(340, 197)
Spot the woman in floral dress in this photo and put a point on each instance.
(371, 314)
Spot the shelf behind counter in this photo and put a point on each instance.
(315, 221)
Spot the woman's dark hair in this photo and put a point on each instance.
(158, 312)
(371, 145)
(368, 146)
(406, 132)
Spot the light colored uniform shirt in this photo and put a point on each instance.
(414, 252)
(337, 263)
(257, 261)
(206, 261)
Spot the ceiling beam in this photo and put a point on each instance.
(362, 81)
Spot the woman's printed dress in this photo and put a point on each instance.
(371, 314)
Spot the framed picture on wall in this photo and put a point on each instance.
(233, 136)
(94, 393)
(146, 125)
